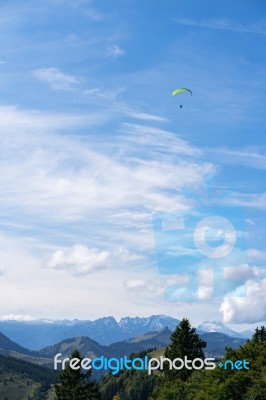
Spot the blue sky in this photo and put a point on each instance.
(93, 147)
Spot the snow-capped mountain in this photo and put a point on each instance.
(216, 326)
(138, 325)
(36, 334)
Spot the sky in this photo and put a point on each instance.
(105, 180)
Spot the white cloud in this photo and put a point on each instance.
(205, 290)
(223, 24)
(256, 200)
(134, 284)
(255, 254)
(14, 317)
(247, 157)
(57, 79)
(125, 256)
(242, 272)
(92, 91)
(145, 116)
(166, 143)
(95, 185)
(31, 123)
(65, 178)
(154, 285)
(79, 260)
(114, 51)
(248, 309)
(244, 199)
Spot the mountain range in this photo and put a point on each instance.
(37, 334)
(215, 334)
(216, 343)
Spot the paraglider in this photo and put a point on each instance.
(180, 90)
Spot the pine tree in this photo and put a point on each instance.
(260, 334)
(184, 342)
(75, 384)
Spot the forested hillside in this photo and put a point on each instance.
(219, 383)
(21, 380)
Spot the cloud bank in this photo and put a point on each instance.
(249, 309)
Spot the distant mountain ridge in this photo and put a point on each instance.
(38, 334)
(216, 343)
(41, 333)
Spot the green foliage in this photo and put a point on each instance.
(21, 379)
(259, 335)
(75, 384)
(128, 384)
(234, 384)
(26, 369)
(220, 384)
(257, 391)
(184, 342)
(169, 391)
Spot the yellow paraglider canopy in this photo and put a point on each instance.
(179, 90)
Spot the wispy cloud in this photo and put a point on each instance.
(144, 116)
(256, 200)
(93, 14)
(57, 79)
(64, 178)
(30, 121)
(160, 140)
(114, 51)
(223, 24)
(255, 254)
(248, 157)
(92, 91)
(79, 184)
(154, 286)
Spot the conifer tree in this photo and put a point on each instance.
(184, 342)
(75, 384)
(260, 334)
